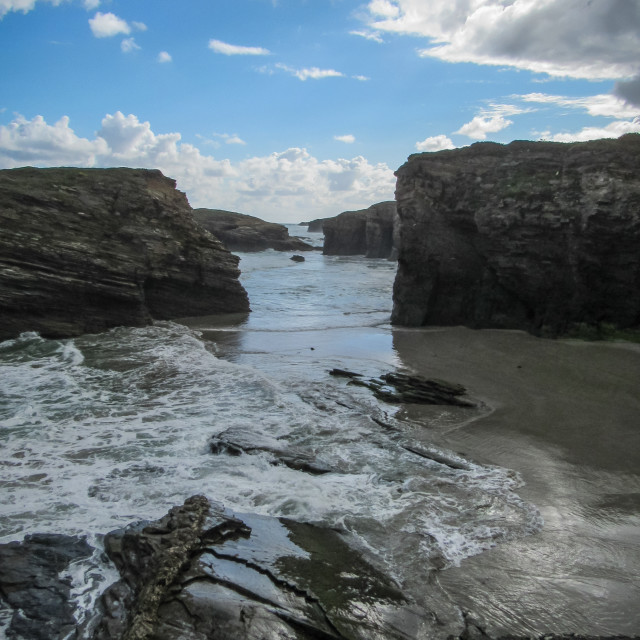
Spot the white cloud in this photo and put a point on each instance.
(314, 72)
(348, 139)
(163, 57)
(435, 143)
(572, 38)
(612, 130)
(16, 5)
(284, 186)
(234, 50)
(90, 5)
(128, 45)
(105, 25)
(369, 35)
(478, 128)
(361, 78)
(605, 104)
(139, 26)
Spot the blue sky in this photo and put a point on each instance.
(295, 109)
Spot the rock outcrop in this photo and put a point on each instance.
(538, 236)
(202, 573)
(83, 250)
(240, 232)
(367, 232)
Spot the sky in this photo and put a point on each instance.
(292, 110)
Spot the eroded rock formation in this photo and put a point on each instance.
(532, 235)
(82, 250)
(240, 232)
(368, 232)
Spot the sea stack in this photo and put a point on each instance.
(538, 236)
(83, 250)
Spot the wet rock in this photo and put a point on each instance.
(297, 258)
(403, 388)
(83, 250)
(31, 585)
(200, 572)
(240, 232)
(538, 236)
(293, 458)
(368, 232)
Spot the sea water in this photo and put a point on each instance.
(102, 430)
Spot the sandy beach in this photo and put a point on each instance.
(565, 415)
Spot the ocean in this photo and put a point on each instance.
(102, 430)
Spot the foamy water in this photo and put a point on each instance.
(102, 430)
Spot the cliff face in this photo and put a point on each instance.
(240, 232)
(368, 232)
(82, 250)
(531, 235)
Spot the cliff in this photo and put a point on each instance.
(368, 232)
(240, 232)
(532, 235)
(83, 250)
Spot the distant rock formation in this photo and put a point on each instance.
(368, 232)
(539, 236)
(315, 226)
(240, 232)
(83, 250)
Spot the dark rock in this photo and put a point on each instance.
(83, 250)
(315, 226)
(297, 258)
(201, 573)
(532, 235)
(294, 458)
(31, 585)
(368, 232)
(240, 232)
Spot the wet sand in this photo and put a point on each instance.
(566, 416)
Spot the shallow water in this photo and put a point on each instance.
(105, 429)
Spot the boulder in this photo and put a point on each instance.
(83, 250)
(240, 232)
(538, 236)
(367, 232)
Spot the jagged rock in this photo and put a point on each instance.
(403, 388)
(368, 232)
(83, 250)
(201, 573)
(240, 232)
(531, 235)
(297, 258)
(32, 586)
(315, 226)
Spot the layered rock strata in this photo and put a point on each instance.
(240, 232)
(82, 250)
(538, 236)
(367, 232)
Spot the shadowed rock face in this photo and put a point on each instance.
(240, 232)
(82, 250)
(368, 232)
(533, 235)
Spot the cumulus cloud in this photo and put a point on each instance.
(435, 143)
(629, 91)
(128, 45)
(369, 35)
(605, 104)
(567, 38)
(164, 56)
(287, 185)
(90, 5)
(235, 50)
(313, 72)
(612, 130)
(480, 126)
(105, 25)
(348, 139)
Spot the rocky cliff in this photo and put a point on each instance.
(83, 250)
(533, 235)
(240, 232)
(368, 232)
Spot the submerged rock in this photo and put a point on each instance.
(83, 250)
(201, 573)
(34, 588)
(240, 232)
(369, 232)
(532, 235)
